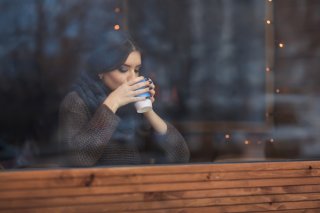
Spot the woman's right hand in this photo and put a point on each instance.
(126, 93)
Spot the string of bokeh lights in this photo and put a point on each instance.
(268, 69)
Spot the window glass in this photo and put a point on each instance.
(228, 81)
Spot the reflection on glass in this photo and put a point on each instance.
(235, 80)
(99, 125)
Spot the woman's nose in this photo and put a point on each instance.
(131, 74)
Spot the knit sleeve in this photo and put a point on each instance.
(84, 137)
(173, 145)
(167, 148)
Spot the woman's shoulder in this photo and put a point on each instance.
(71, 100)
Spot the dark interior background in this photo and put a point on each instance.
(207, 58)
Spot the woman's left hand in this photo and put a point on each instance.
(152, 90)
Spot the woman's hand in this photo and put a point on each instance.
(126, 93)
(158, 124)
(152, 90)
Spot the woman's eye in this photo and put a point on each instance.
(123, 69)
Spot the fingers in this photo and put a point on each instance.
(136, 80)
(152, 92)
(138, 88)
(149, 79)
(135, 99)
(140, 85)
(140, 91)
(152, 88)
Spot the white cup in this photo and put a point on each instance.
(145, 105)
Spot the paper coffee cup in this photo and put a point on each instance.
(145, 105)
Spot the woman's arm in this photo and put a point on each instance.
(168, 138)
(156, 122)
(83, 137)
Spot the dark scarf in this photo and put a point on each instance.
(91, 90)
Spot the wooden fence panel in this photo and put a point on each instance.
(242, 187)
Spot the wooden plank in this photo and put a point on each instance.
(155, 196)
(288, 207)
(160, 178)
(292, 211)
(169, 169)
(224, 201)
(209, 209)
(158, 187)
(206, 188)
(176, 203)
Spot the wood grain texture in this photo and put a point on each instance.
(241, 187)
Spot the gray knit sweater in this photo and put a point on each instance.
(89, 140)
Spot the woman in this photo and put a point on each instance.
(98, 124)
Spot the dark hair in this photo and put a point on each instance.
(112, 54)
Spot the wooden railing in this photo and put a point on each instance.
(287, 187)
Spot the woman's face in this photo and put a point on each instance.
(126, 72)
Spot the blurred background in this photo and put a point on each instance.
(238, 78)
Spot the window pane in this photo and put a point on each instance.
(234, 81)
